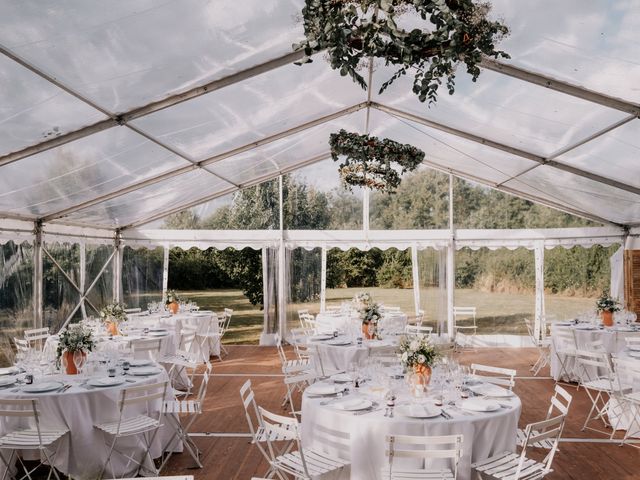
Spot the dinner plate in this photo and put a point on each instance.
(585, 327)
(562, 324)
(490, 390)
(341, 378)
(634, 354)
(42, 387)
(339, 342)
(419, 411)
(352, 404)
(158, 333)
(324, 389)
(9, 371)
(634, 348)
(624, 329)
(478, 405)
(321, 337)
(140, 362)
(144, 371)
(106, 381)
(6, 381)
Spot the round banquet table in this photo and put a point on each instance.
(340, 357)
(83, 450)
(613, 340)
(485, 434)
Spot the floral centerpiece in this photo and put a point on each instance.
(172, 301)
(606, 305)
(369, 312)
(112, 315)
(419, 354)
(74, 338)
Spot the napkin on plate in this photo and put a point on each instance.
(490, 390)
(479, 405)
(350, 404)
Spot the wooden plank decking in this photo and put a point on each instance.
(227, 453)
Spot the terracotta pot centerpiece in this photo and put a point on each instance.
(70, 365)
(74, 338)
(606, 305)
(173, 307)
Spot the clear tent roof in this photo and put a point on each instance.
(113, 114)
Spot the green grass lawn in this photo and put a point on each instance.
(497, 312)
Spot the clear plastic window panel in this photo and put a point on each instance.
(448, 151)
(79, 171)
(286, 153)
(304, 281)
(255, 108)
(151, 200)
(587, 43)
(504, 109)
(101, 294)
(33, 110)
(315, 199)
(613, 155)
(420, 202)
(500, 284)
(579, 193)
(16, 295)
(126, 54)
(433, 287)
(61, 297)
(141, 276)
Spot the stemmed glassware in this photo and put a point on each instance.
(79, 358)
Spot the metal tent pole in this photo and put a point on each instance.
(38, 287)
(416, 278)
(323, 279)
(165, 273)
(451, 272)
(539, 268)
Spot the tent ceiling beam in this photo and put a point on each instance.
(208, 198)
(560, 86)
(511, 191)
(123, 118)
(208, 161)
(506, 148)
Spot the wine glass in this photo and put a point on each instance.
(78, 360)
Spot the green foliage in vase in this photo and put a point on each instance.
(451, 32)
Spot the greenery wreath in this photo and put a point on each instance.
(372, 162)
(355, 31)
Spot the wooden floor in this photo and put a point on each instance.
(227, 453)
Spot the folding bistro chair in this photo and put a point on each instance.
(144, 425)
(427, 449)
(544, 354)
(565, 350)
(31, 438)
(181, 414)
(148, 348)
(469, 328)
(36, 337)
(627, 374)
(504, 377)
(560, 402)
(418, 330)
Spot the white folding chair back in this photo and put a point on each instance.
(30, 438)
(148, 348)
(467, 318)
(428, 450)
(632, 341)
(544, 355)
(22, 345)
(627, 375)
(564, 347)
(497, 375)
(559, 405)
(36, 337)
(418, 330)
(188, 338)
(147, 405)
(511, 466)
(596, 376)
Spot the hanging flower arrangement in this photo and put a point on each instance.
(355, 31)
(371, 162)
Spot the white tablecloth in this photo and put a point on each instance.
(83, 451)
(485, 434)
(340, 357)
(343, 322)
(613, 340)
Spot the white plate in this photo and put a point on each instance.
(140, 363)
(634, 354)
(419, 411)
(319, 338)
(562, 324)
(9, 371)
(324, 389)
(490, 390)
(341, 378)
(478, 405)
(634, 348)
(339, 342)
(585, 327)
(145, 371)
(106, 381)
(158, 334)
(352, 404)
(42, 387)
(6, 381)
(624, 329)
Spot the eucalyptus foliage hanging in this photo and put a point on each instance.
(371, 162)
(355, 31)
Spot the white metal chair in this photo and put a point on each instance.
(289, 365)
(627, 373)
(544, 353)
(36, 337)
(418, 330)
(146, 348)
(469, 328)
(299, 339)
(144, 425)
(565, 350)
(599, 386)
(559, 405)
(632, 342)
(511, 466)
(34, 437)
(324, 457)
(297, 382)
(183, 364)
(224, 327)
(258, 435)
(181, 414)
(426, 449)
(497, 375)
